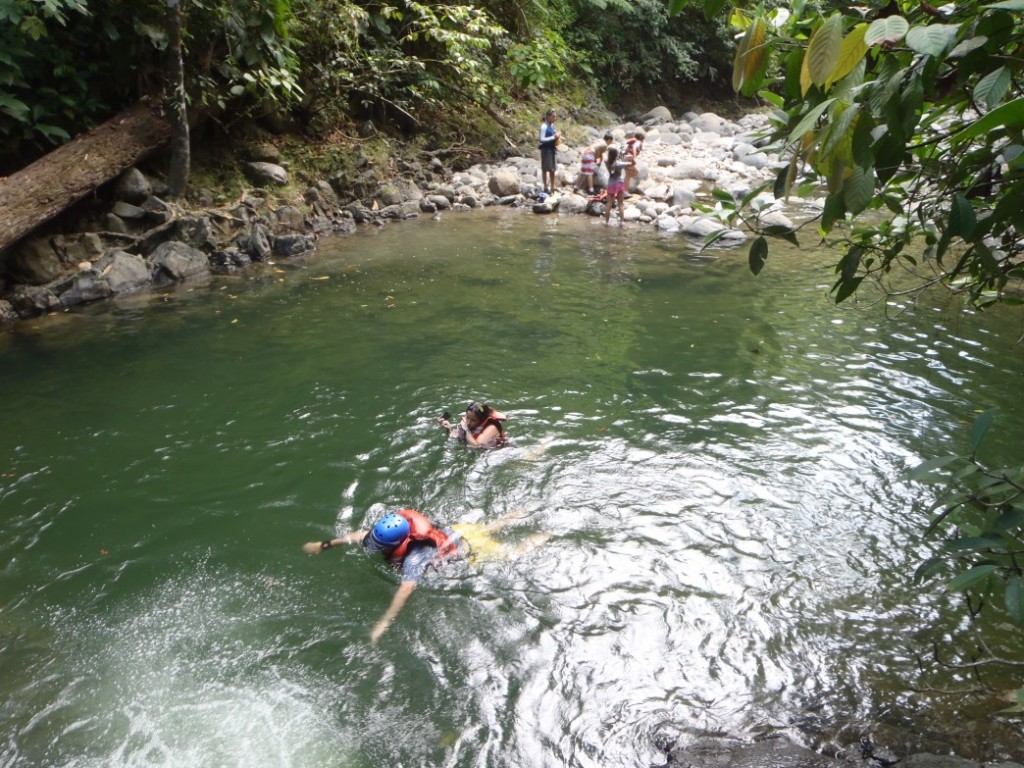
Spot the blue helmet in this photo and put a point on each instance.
(390, 531)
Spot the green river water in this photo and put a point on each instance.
(715, 460)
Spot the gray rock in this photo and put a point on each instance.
(174, 261)
(712, 123)
(398, 192)
(86, 286)
(128, 211)
(124, 272)
(114, 223)
(133, 187)
(290, 218)
(292, 245)
(441, 202)
(657, 116)
(35, 261)
(32, 300)
(503, 183)
(7, 313)
(266, 173)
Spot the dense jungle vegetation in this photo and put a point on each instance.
(910, 115)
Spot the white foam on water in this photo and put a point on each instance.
(198, 672)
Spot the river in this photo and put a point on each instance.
(709, 527)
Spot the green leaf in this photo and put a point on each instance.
(966, 46)
(1010, 115)
(981, 425)
(992, 87)
(711, 7)
(891, 29)
(758, 254)
(931, 40)
(844, 289)
(834, 211)
(859, 190)
(851, 52)
(1007, 5)
(1014, 597)
(783, 232)
(972, 577)
(809, 120)
(824, 48)
(1012, 518)
(962, 219)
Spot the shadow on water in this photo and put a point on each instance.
(710, 533)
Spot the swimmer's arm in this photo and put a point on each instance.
(490, 433)
(397, 602)
(316, 547)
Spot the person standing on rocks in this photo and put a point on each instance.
(631, 153)
(549, 139)
(592, 155)
(616, 186)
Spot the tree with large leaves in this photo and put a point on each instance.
(911, 116)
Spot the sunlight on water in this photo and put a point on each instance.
(707, 528)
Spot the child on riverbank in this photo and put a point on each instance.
(616, 186)
(588, 163)
(631, 153)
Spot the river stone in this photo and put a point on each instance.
(266, 173)
(128, 211)
(732, 753)
(34, 262)
(257, 243)
(709, 122)
(441, 202)
(174, 261)
(292, 245)
(124, 272)
(503, 183)
(86, 286)
(7, 313)
(133, 187)
(290, 218)
(657, 116)
(30, 300)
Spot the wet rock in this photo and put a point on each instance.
(7, 313)
(84, 287)
(174, 262)
(292, 245)
(32, 300)
(124, 272)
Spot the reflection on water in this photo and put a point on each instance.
(712, 463)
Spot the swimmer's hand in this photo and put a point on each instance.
(314, 547)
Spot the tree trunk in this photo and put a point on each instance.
(177, 106)
(37, 193)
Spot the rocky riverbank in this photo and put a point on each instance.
(135, 240)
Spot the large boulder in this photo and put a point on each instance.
(34, 262)
(262, 173)
(174, 261)
(657, 116)
(124, 272)
(503, 183)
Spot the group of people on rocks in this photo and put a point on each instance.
(621, 165)
(408, 540)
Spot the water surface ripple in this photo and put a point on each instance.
(708, 526)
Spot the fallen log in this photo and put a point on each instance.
(40, 191)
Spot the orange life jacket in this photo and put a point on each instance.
(421, 529)
(495, 418)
